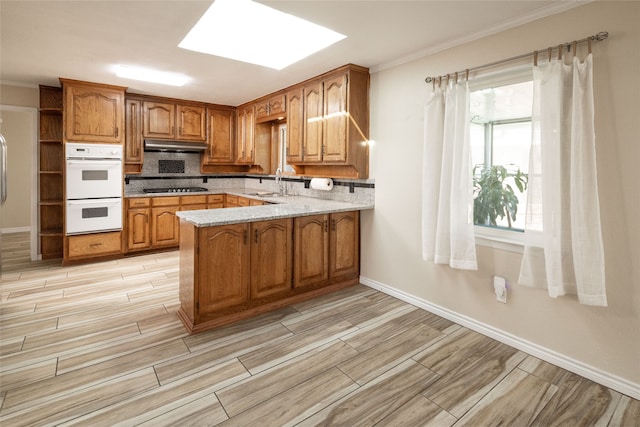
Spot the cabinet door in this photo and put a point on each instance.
(246, 135)
(271, 257)
(158, 120)
(277, 106)
(295, 125)
(311, 248)
(344, 244)
(336, 119)
(165, 226)
(133, 147)
(138, 236)
(313, 117)
(221, 140)
(223, 267)
(191, 123)
(93, 114)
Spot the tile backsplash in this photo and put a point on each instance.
(170, 164)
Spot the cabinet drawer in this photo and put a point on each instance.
(139, 202)
(243, 201)
(231, 201)
(165, 201)
(215, 198)
(193, 200)
(94, 244)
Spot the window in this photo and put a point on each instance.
(500, 138)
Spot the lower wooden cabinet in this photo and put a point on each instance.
(230, 272)
(311, 241)
(94, 245)
(271, 257)
(138, 230)
(165, 228)
(327, 247)
(344, 244)
(223, 280)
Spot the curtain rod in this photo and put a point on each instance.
(601, 36)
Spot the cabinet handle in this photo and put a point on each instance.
(180, 130)
(333, 224)
(325, 226)
(117, 132)
(95, 245)
(255, 233)
(322, 151)
(245, 235)
(172, 129)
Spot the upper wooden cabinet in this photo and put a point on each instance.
(335, 124)
(245, 137)
(221, 139)
(133, 143)
(166, 120)
(295, 128)
(271, 108)
(93, 112)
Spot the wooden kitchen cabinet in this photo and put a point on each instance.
(133, 142)
(271, 108)
(224, 278)
(245, 135)
(327, 248)
(164, 120)
(220, 138)
(295, 125)
(334, 125)
(165, 226)
(313, 116)
(344, 245)
(93, 112)
(311, 243)
(271, 257)
(138, 229)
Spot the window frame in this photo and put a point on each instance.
(497, 237)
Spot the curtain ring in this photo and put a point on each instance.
(456, 77)
(549, 53)
(589, 44)
(535, 58)
(575, 48)
(467, 74)
(559, 52)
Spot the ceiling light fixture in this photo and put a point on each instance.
(238, 29)
(152, 76)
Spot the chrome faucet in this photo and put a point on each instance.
(281, 189)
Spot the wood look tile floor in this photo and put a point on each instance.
(100, 345)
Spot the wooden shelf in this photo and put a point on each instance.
(51, 158)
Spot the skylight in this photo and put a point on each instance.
(150, 75)
(240, 30)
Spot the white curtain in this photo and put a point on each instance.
(563, 240)
(447, 193)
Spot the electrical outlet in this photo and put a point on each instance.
(500, 288)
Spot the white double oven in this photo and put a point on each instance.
(93, 188)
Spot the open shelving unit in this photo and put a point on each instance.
(51, 158)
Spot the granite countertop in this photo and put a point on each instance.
(280, 207)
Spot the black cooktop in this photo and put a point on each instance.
(175, 190)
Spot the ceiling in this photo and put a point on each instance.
(83, 40)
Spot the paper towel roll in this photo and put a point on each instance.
(324, 184)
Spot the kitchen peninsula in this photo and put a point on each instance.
(239, 262)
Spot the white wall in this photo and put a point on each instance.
(603, 340)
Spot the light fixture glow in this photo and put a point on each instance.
(240, 29)
(149, 75)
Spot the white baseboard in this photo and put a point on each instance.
(609, 380)
(15, 230)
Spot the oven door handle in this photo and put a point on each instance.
(94, 162)
(109, 201)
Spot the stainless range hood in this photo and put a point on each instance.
(174, 146)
